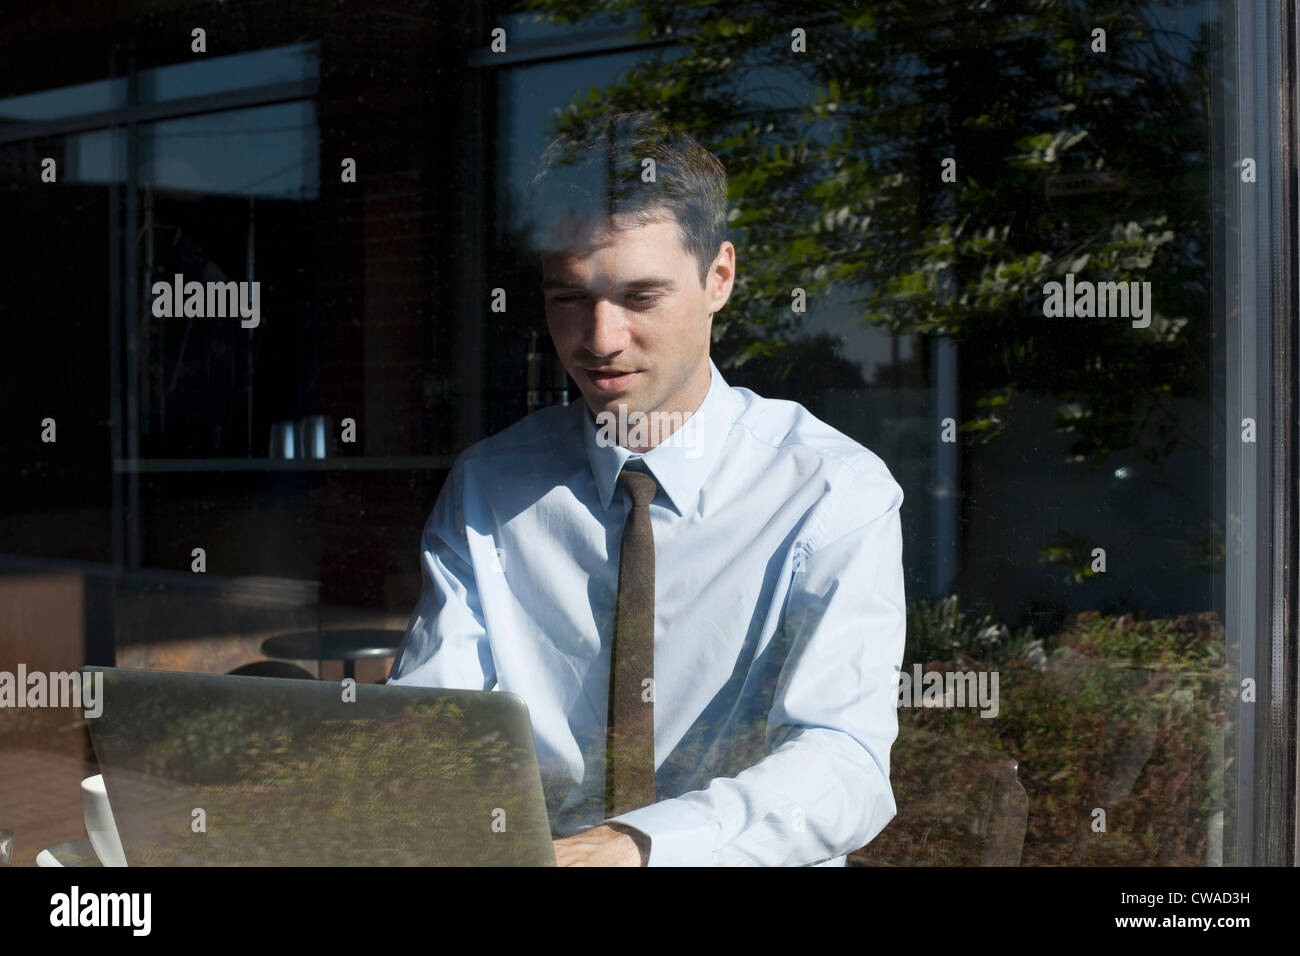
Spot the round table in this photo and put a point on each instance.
(348, 645)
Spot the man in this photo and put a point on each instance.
(732, 558)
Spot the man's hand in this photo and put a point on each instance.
(606, 845)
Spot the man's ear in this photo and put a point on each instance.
(721, 277)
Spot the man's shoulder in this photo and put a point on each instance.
(534, 439)
(853, 483)
(791, 429)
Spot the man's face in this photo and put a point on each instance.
(629, 319)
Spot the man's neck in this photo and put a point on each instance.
(660, 424)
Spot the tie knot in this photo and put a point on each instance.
(639, 485)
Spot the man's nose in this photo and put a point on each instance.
(607, 333)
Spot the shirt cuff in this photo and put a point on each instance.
(679, 834)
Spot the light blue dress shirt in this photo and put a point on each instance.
(779, 621)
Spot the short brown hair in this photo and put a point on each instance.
(601, 173)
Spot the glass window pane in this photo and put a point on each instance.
(220, 74)
(1034, 262)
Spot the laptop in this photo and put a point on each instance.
(205, 769)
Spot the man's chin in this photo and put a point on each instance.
(606, 403)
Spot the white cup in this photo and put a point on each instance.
(100, 826)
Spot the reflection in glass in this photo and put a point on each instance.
(205, 770)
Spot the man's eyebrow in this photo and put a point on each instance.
(651, 282)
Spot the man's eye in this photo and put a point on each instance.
(638, 298)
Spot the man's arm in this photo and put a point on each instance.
(610, 844)
(446, 645)
(446, 641)
(823, 788)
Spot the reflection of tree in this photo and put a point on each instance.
(1118, 713)
(1068, 160)
(430, 784)
(801, 370)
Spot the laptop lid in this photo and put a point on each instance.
(205, 769)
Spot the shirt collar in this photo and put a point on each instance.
(681, 462)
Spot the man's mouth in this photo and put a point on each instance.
(610, 379)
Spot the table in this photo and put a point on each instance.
(348, 645)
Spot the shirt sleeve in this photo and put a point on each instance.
(446, 643)
(822, 789)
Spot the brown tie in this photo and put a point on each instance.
(630, 739)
